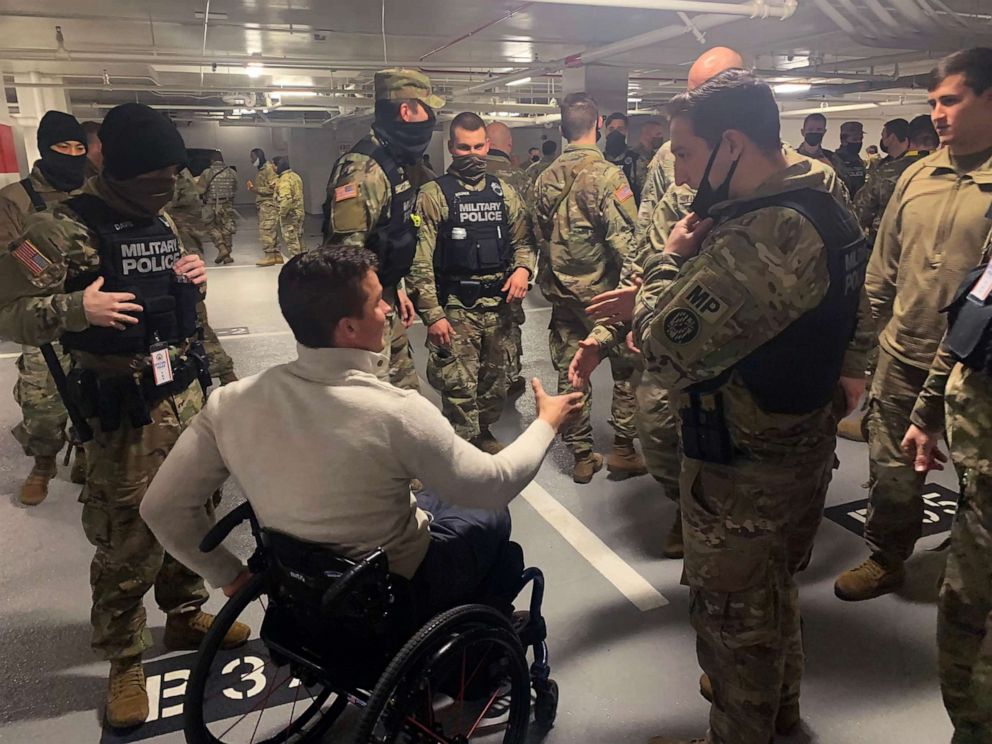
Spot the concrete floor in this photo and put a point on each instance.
(626, 673)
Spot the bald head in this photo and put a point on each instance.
(711, 63)
(500, 137)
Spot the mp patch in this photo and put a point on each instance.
(681, 325)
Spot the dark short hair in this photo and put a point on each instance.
(549, 147)
(898, 127)
(975, 64)
(617, 116)
(815, 117)
(467, 121)
(320, 287)
(733, 99)
(922, 132)
(579, 114)
(216, 157)
(532, 148)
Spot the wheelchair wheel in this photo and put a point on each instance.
(461, 677)
(243, 695)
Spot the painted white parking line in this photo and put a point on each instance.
(613, 568)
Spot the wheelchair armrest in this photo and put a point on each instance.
(224, 527)
(350, 577)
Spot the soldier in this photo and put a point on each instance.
(650, 140)
(289, 198)
(931, 235)
(474, 256)
(498, 164)
(847, 159)
(549, 151)
(219, 184)
(94, 151)
(813, 131)
(957, 396)
(585, 215)
(55, 176)
(894, 141)
(370, 198)
(633, 165)
(714, 319)
(74, 275)
(533, 155)
(264, 186)
(186, 210)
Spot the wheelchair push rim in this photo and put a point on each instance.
(243, 696)
(462, 678)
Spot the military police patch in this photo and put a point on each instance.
(497, 188)
(681, 325)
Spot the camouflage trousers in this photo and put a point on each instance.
(191, 235)
(268, 225)
(748, 529)
(566, 330)
(402, 373)
(471, 373)
(220, 361)
(221, 223)
(514, 345)
(292, 231)
(42, 431)
(658, 430)
(129, 560)
(964, 621)
(895, 497)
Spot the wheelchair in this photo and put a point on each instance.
(337, 632)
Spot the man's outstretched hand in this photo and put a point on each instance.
(555, 410)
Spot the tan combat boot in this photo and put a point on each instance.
(873, 578)
(674, 547)
(127, 698)
(586, 467)
(487, 442)
(624, 460)
(270, 259)
(184, 632)
(786, 719)
(227, 378)
(852, 428)
(78, 473)
(35, 488)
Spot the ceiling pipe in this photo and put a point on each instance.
(883, 14)
(505, 17)
(912, 12)
(755, 9)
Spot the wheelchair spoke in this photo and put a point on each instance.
(256, 707)
(482, 715)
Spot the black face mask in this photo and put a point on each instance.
(883, 147)
(853, 148)
(707, 196)
(407, 140)
(534, 158)
(469, 168)
(616, 144)
(64, 172)
(814, 139)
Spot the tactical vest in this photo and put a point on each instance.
(969, 321)
(36, 200)
(628, 164)
(136, 256)
(486, 246)
(854, 172)
(797, 371)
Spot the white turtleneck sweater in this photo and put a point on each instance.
(325, 451)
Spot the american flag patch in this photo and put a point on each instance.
(31, 258)
(348, 191)
(623, 193)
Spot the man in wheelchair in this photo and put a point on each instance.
(325, 450)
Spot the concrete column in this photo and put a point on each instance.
(608, 85)
(33, 103)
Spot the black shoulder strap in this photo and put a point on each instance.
(211, 179)
(449, 187)
(831, 220)
(36, 201)
(93, 211)
(384, 158)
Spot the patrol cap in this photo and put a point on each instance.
(852, 127)
(397, 84)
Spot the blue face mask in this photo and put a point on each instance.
(706, 196)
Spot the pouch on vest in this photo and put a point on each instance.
(969, 334)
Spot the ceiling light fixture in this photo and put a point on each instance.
(833, 109)
(518, 82)
(787, 88)
(634, 100)
(255, 70)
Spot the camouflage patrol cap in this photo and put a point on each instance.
(852, 127)
(396, 85)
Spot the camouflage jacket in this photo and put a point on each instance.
(959, 399)
(15, 204)
(35, 309)
(433, 211)
(870, 202)
(498, 164)
(265, 183)
(764, 269)
(659, 179)
(219, 183)
(534, 170)
(289, 193)
(186, 208)
(585, 215)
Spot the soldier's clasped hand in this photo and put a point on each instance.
(192, 267)
(688, 235)
(109, 309)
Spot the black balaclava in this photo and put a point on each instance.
(258, 158)
(138, 140)
(63, 172)
(407, 140)
(853, 148)
(281, 163)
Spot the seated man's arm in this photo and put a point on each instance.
(174, 504)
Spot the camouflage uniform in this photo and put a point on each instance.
(41, 432)
(660, 177)
(748, 526)
(931, 235)
(268, 210)
(289, 198)
(498, 164)
(128, 559)
(219, 184)
(186, 211)
(585, 213)
(851, 169)
(533, 172)
(870, 202)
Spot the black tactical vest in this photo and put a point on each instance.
(797, 371)
(137, 256)
(628, 164)
(485, 247)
